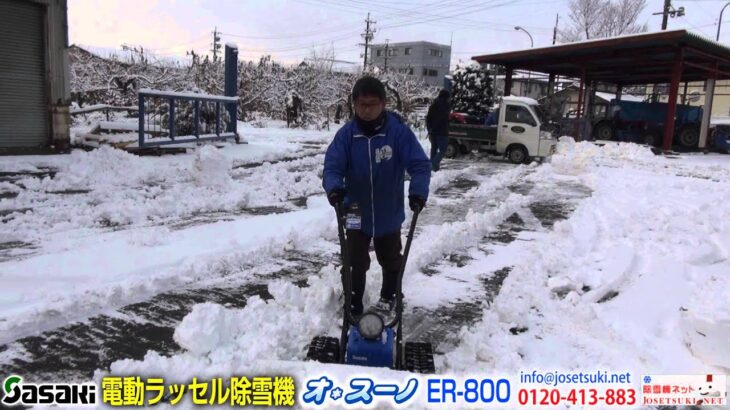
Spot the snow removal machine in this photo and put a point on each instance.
(370, 340)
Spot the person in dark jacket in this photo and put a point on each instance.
(364, 169)
(437, 123)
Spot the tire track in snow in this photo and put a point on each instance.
(75, 351)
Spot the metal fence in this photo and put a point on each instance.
(167, 118)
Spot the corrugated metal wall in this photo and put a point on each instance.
(24, 104)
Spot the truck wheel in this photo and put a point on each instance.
(452, 150)
(517, 155)
(463, 149)
(688, 137)
(604, 131)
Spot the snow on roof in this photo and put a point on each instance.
(232, 45)
(535, 76)
(624, 97)
(162, 93)
(524, 100)
(597, 40)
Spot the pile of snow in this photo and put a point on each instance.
(110, 187)
(212, 168)
(573, 157)
(636, 279)
(102, 168)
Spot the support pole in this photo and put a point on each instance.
(551, 84)
(171, 118)
(578, 110)
(508, 82)
(588, 113)
(218, 118)
(231, 84)
(672, 105)
(196, 117)
(706, 113)
(140, 106)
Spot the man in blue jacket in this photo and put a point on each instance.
(364, 168)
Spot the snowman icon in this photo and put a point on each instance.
(706, 390)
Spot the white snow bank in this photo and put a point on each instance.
(635, 280)
(109, 187)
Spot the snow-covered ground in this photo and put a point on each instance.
(635, 279)
(105, 228)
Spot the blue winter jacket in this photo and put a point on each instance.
(371, 171)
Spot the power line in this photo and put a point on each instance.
(469, 10)
(336, 29)
(347, 33)
(195, 40)
(429, 12)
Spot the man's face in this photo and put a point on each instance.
(369, 107)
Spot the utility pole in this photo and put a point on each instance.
(216, 44)
(368, 36)
(669, 11)
(552, 79)
(385, 67)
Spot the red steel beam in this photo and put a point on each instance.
(580, 98)
(712, 70)
(707, 56)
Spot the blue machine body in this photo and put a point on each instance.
(635, 118)
(376, 353)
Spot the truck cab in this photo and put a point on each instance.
(522, 132)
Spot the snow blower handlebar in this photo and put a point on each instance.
(399, 287)
(347, 282)
(399, 295)
(345, 254)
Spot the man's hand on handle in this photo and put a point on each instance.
(336, 196)
(416, 203)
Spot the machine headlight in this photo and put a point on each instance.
(546, 135)
(371, 326)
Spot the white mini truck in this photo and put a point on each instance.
(521, 134)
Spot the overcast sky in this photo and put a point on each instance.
(289, 30)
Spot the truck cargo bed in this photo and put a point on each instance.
(470, 132)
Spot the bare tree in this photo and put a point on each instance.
(621, 18)
(590, 19)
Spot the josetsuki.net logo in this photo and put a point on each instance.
(17, 393)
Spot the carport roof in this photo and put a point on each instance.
(632, 59)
